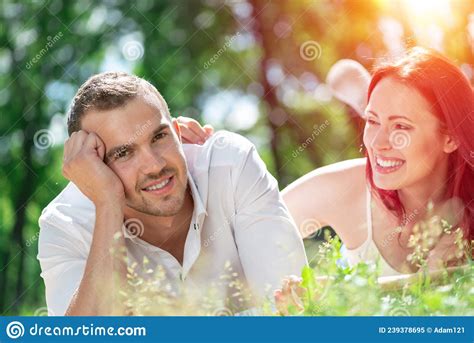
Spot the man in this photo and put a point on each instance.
(145, 215)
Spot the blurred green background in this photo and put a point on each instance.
(238, 65)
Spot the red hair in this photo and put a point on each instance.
(449, 92)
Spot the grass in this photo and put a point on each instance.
(358, 291)
(331, 290)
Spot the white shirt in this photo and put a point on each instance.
(240, 227)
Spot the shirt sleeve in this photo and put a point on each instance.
(62, 260)
(269, 244)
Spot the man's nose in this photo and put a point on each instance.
(151, 161)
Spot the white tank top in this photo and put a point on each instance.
(368, 251)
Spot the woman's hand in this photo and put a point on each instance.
(289, 296)
(192, 132)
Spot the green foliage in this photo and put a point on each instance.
(356, 292)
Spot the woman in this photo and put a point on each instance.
(419, 146)
(419, 162)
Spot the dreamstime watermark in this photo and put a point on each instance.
(222, 312)
(16, 329)
(221, 142)
(310, 228)
(140, 130)
(49, 45)
(318, 309)
(219, 52)
(399, 139)
(133, 50)
(211, 238)
(398, 311)
(133, 228)
(317, 130)
(310, 50)
(398, 230)
(43, 139)
(32, 239)
(43, 312)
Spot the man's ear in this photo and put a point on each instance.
(175, 124)
(450, 144)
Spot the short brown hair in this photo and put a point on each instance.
(107, 91)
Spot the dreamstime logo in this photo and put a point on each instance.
(399, 139)
(310, 50)
(132, 228)
(222, 312)
(43, 139)
(15, 329)
(398, 311)
(221, 142)
(310, 228)
(132, 50)
(43, 312)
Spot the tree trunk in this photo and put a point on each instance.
(260, 30)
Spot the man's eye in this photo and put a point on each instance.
(159, 136)
(121, 154)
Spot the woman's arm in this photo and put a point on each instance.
(320, 197)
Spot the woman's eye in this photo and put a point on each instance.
(372, 122)
(402, 127)
(159, 136)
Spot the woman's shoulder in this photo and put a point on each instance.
(344, 179)
(336, 182)
(353, 167)
(331, 194)
(335, 176)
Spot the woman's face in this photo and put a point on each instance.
(402, 136)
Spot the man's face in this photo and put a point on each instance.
(143, 148)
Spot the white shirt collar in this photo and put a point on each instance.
(199, 207)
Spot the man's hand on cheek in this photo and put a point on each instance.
(84, 165)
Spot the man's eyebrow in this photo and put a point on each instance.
(391, 117)
(160, 128)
